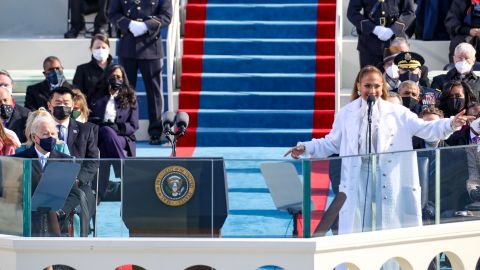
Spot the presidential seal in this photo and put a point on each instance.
(175, 185)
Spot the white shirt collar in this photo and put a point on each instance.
(40, 155)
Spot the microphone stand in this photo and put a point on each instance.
(371, 103)
(172, 138)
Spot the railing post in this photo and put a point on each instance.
(27, 193)
(307, 211)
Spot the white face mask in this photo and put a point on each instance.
(475, 125)
(392, 71)
(101, 54)
(463, 67)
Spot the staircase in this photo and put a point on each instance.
(257, 72)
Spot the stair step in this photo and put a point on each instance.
(285, 47)
(259, 29)
(289, 119)
(257, 64)
(210, 137)
(262, 12)
(259, 100)
(259, 82)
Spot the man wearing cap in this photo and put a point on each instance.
(409, 69)
(464, 59)
(13, 116)
(377, 23)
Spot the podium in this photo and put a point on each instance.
(174, 197)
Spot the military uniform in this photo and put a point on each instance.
(394, 14)
(144, 52)
(411, 61)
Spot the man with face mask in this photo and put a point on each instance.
(409, 69)
(37, 94)
(42, 149)
(410, 94)
(464, 59)
(13, 116)
(81, 139)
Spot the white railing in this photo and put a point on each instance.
(413, 248)
(173, 50)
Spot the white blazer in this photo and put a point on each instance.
(397, 180)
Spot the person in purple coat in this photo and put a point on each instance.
(114, 109)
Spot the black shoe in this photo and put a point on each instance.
(155, 140)
(72, 33)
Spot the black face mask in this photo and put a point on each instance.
(6, 111)
(114, 83)
(410, 103)
(55, 77)
(409, 76)
(47, 144)
(61, 112)
(454, 105)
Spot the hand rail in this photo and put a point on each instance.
(173, 50)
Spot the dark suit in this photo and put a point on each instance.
(17, 122)
(87, 76)
(82, 144)
(395, 14)
(458, 27)
(454, 172)
(144, 52)
(112, 143)
(37, 95)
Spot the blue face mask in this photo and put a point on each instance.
(47, 144)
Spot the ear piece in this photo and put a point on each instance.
(358, 93)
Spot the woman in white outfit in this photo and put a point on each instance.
(397, 189)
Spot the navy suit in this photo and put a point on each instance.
(17, 122)
(75, 197)
(114, 143)
(37, 95)
(395, 14)
(144, 52)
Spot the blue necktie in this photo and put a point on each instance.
(61, 133)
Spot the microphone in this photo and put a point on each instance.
(370, 102)
(182, 122)
(168, 121)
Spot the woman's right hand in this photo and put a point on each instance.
(296, 151)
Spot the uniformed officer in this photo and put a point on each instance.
(378, 22)
(140, 47)
(409, 69)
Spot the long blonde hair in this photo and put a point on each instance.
(364, 71)
(80, 100)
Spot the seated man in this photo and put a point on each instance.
(464, 59)
(410, 94)
(13, 116)
(43, 134)
(37, 94)
(81, 139)
(78, 8)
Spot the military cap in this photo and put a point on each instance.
(409, 60)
